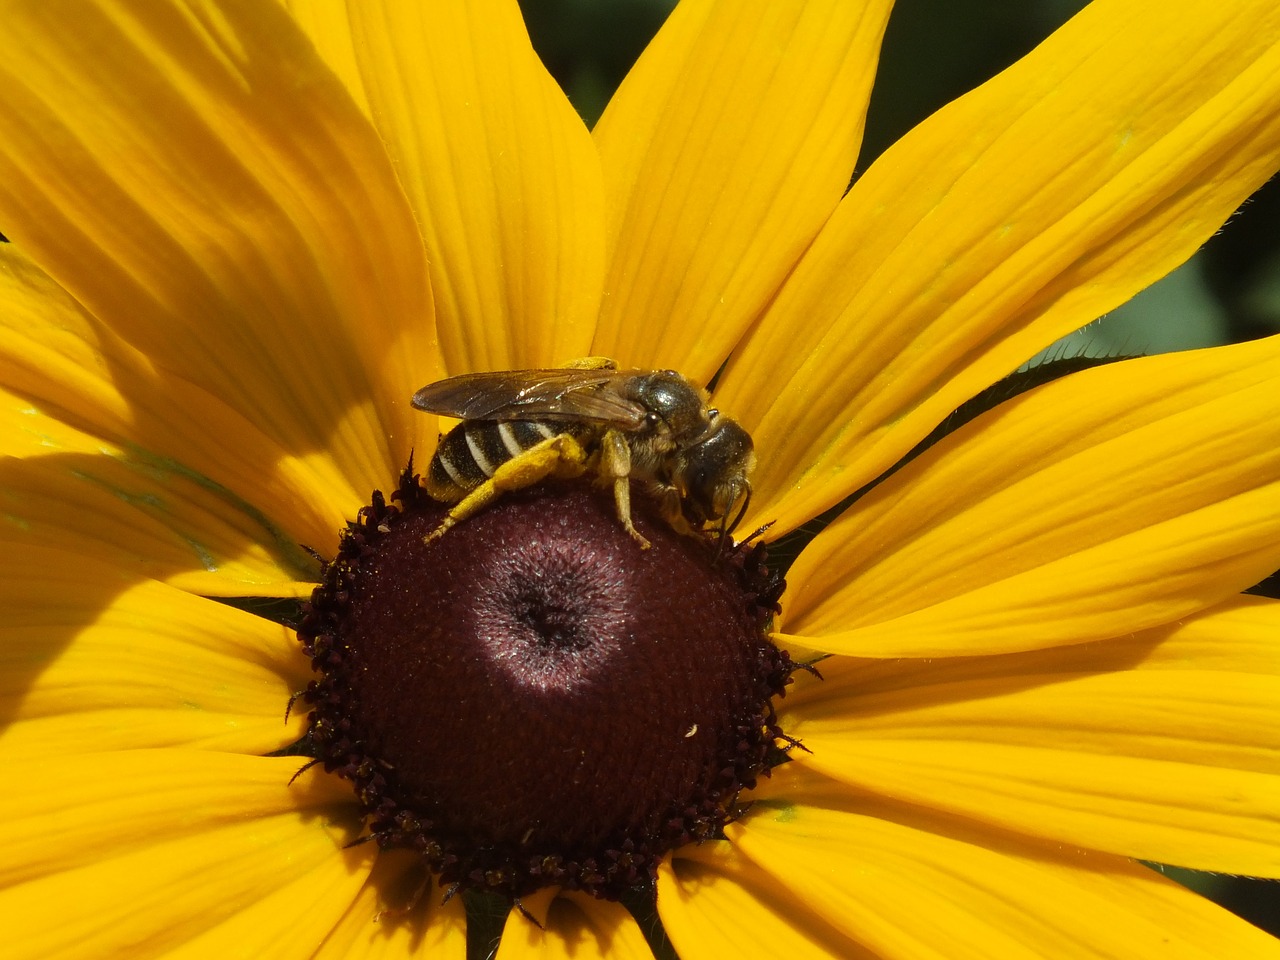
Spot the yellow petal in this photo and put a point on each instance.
(1115, 500)
(910, 884)
(205, 188)
(498, 167)
(1017, 214)
(90, 662)
(148, 515)
(328, 25)
(725, 149)
(65, 364)
(181, 852)
(82, 809)
(1164, 745)
(374, 929)
(575, 926)
(290, 920)
(716, 903)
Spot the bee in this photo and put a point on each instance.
(653, 426)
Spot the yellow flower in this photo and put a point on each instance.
(230, 237)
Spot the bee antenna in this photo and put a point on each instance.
(742, 511)
(727, 528)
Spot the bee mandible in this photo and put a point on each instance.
(653, 426)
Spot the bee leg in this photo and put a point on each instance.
(591, 363)
(558, 456)
(615, 465)
(671, 507)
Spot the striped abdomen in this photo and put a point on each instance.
(469, 453)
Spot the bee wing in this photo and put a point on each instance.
(568, 394)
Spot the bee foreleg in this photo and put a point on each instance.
(671, 506)
(558, 456)
(615, 465)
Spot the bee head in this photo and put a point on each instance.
(716, 470)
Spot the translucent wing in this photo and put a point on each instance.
(551, 394)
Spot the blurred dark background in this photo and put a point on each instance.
(934, 51)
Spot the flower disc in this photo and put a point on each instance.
(533, 699)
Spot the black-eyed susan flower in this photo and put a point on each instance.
(244, 234)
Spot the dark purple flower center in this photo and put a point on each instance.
(532, 699)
